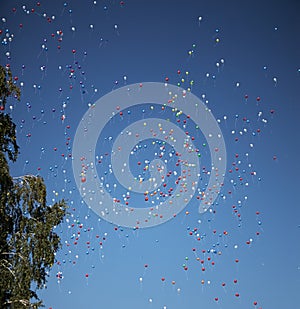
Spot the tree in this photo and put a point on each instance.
(28, 242)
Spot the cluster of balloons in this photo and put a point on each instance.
(150, 158)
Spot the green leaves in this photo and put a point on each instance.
(7, 87)
(8, 140)
(31, 243)
(28, 241)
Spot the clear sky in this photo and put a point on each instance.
(241, 59)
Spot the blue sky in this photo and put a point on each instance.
(242, 60)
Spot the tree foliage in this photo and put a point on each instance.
(28, 242)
